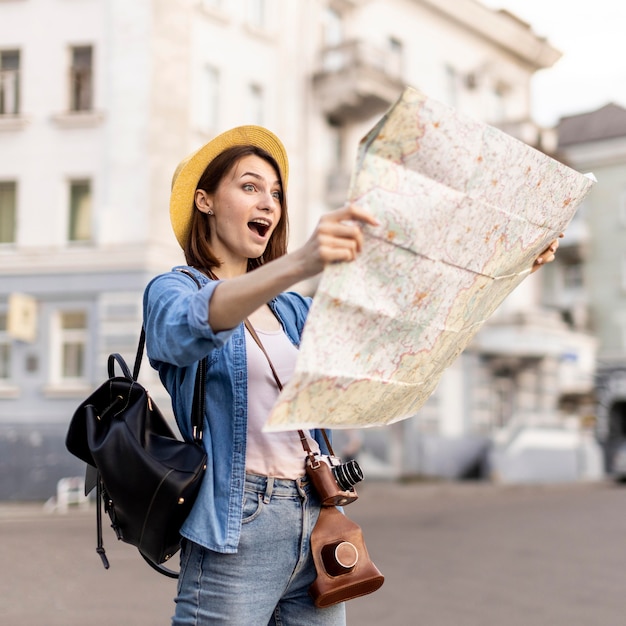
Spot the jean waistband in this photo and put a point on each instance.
(278, 487)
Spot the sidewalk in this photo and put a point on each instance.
(55, 577)
(453, 555)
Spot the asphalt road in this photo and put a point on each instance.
(456, 554)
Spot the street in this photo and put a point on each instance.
(453, 554)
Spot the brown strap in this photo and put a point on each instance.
(305, 443)
(267, 356)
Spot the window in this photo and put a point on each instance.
(332, 28)
(72, 343)
(256, 13)
(498, 102)
(573, 277)
(336, 135)
(338, 176)
(255, 105)
(207, 103)
(81, 79)
(453, 82)
(396, 49)
(334, 53)
(504, 399)
(5, 350)
(9, 82)
(7, 212)
(80, 211)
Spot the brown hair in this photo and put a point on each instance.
(198, 251)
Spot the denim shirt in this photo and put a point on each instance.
(178, 335)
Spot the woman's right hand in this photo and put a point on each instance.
(337, 238)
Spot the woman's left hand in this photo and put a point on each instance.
(547, 256)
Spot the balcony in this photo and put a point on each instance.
(357, 81)
(524, 336)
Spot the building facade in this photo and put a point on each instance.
(95, 114)
(590, 279)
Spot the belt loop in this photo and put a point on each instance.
(269, 487)
(301, 484)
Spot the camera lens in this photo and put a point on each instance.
(347, 474)
(339, 557)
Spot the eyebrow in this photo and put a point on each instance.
(258, 177)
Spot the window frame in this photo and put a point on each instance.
(6, 367)
(206, 113)
(257, 14)
(60, 338)
(5, 74)
(396, 47)
(573, 275)
(81, 98)
(72, 219)
(13, 239)
(256, 104)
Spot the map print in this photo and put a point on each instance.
(464, 210)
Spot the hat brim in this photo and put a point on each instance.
(190, 170)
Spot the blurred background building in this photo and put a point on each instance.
(589, 283)
(100, 99)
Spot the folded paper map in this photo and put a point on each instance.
(464, 210)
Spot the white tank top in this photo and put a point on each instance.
(278, 454)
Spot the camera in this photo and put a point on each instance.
(333, 480)
(347, 474)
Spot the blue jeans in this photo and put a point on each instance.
(267, 580)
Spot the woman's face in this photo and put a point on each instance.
(246, 208)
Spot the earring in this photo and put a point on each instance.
(209, 212)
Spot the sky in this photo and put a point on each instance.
(592, 37)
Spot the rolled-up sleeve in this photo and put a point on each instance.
(176, 320)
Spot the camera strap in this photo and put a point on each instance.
(303, 440)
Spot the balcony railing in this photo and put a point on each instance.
(357, 80)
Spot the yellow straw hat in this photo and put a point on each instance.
(189, 170)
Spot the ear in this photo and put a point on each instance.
(203, 201)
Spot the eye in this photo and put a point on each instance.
(248, 187)
(278, 195)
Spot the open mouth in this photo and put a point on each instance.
(261, 227)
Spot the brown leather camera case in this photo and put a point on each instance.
(333, 527)
(326, 486)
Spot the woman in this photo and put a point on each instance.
(245, 556)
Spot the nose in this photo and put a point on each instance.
(268, 202)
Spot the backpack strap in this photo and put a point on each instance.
(197, 424)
